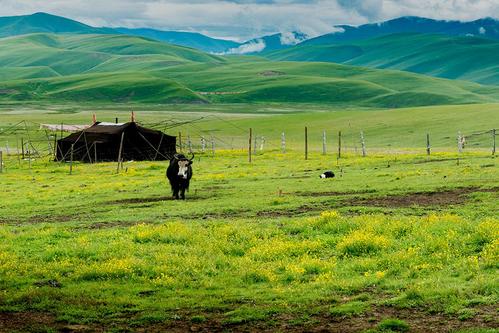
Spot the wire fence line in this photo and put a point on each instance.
(29, 139)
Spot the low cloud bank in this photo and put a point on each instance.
(251, 47)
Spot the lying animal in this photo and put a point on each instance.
(179, 173)
(327, 174)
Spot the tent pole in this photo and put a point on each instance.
(159, 146)
(119, 153)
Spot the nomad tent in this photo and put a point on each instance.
(102, 142)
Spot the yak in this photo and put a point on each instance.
(179, 174)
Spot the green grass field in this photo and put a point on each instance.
(397, 239)
(398, 242)
(261, 246)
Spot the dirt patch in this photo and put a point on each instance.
(302, 210)
(38, 219)
(333, 193)
(434, 198)
(113, 224)
(272, 73)
(215, 215)
(38, 322)
(419, 320)
(138, 200)
(8, 91)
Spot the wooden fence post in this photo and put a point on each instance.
(306, 143)
(7, 147)
(494, 141)
(262, 142)
(323, 142)
(339, 144)
(203, 144)
(283, 143)
(29, 155)
(180, 141)
(249, 144)
(459, 142)
(428, 149)
(363, 143)
(212, 146)
(1, 161)
(189, 144)
(71, 160)
(18, 155)
(22, 147)
(119, 153)
(55, 146)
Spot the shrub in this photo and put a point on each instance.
(394, 325)
(360, 243)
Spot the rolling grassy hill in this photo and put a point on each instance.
(43, 22)
(76, 54)
(119, 68)
(465, 58)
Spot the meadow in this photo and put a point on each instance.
(398, 241)
(393, 243)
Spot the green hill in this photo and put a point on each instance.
(76, 54)
(43, 22)
(325, 83)
(109, 87)
(119, 68)
(464, 58)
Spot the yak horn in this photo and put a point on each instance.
(192, 157)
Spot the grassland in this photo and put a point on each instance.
(397, 239)
(384, 130)
(265, 246)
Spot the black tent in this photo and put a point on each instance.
(101, 142)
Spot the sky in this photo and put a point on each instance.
(245, 19)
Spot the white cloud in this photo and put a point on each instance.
(290, 38)
(251, 47)
(482, 31)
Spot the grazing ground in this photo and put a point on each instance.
(393, 243)
(387, 130)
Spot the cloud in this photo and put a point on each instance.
(247, 19)
(251, 47)
(291, 38)
(482, 31)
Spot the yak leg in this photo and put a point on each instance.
(175, 192)
(182, 193)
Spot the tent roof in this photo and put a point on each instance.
(115, 129)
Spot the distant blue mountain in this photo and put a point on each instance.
(47, 23)
(486, 28)
(189, 39)
(43, 22)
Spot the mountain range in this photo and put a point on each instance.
(43, 22)
(49, 58)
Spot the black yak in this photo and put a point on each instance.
(179, 174)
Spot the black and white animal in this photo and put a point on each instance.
(179, 173)
(327, 174)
